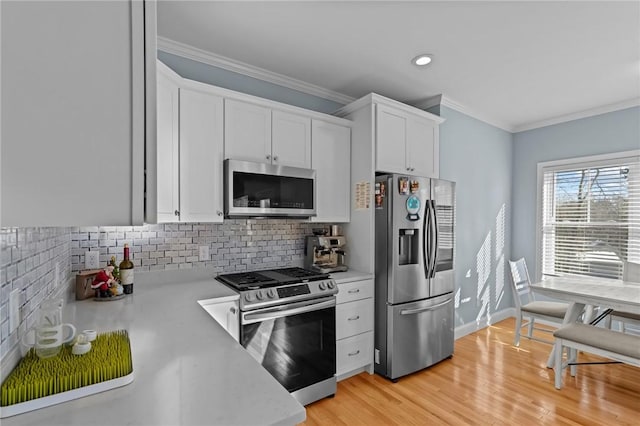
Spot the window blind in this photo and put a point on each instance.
(590, 217)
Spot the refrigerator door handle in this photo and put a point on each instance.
(426, 240)
(428, 308)
(434, 235)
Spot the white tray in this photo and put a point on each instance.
(34, 404)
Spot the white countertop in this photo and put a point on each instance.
(188, 370)
(350, 275)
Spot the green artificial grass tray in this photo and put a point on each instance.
(37, 383)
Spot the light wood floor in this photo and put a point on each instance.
(488, 381)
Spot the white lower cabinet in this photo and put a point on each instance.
(353, 353)
(354, 328)
(227, 314)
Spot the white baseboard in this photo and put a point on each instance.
(483, 322)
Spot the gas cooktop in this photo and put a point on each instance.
(270, 278)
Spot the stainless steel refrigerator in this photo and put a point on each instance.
(414, 280)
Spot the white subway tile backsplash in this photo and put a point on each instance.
(235, 245)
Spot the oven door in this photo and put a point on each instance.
(295, 342)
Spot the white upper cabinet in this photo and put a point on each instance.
(76, 77)
(168, 176)
(331, 159)
(406, 143)
(391, 132)
(422, 149)
(247, 131)
(190, 143)
(261, 134)
(291, 140)
(201, 147)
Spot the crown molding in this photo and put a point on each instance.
(200, 55)
(449, 103)
(580, 114)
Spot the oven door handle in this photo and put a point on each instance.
(287, 310)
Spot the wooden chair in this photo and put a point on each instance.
(630, 272)
(549, 311)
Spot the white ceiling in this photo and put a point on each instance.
(513, 64)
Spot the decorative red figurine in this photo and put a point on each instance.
(103, 281)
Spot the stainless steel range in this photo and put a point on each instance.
(287, 323)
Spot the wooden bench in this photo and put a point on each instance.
(599, 341)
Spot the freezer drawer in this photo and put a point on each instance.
(420, 334)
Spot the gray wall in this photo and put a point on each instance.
(606, 133)
(477, 156)
(204, 73)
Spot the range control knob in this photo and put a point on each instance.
(272, 293)
(248, 297)
(331, 285)
(260, 294)
(322, 286)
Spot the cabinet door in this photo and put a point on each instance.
(201, 121)
(353, 352)
(355, 290)
(247, 131)
(391, 136)
(354, 318)
(290, 140)
(331, 159)
(422, 147)
(167, 150)
(73, 116)
(226, 314)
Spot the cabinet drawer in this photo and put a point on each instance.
(355, 290)
(354, 318)
(354, 352)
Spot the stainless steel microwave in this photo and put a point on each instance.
(264, 190)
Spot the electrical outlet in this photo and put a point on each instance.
(14, 310)
(91, 259)
(204, 253)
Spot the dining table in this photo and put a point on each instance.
(585, 292)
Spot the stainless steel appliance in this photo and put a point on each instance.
(325, 254)
(287, 323)
(414, 280)
(264, 190)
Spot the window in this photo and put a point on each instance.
(589, 215)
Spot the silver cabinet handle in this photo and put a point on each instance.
(219, 213)
(275, 158)
(268, 157)
(357, 317)
(354, 353)
(176, 213)
(357, 290)
(428, 308)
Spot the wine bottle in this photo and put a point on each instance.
(126, 272)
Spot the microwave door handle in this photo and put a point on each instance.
(284, 311)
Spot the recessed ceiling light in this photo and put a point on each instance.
(422, 60)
